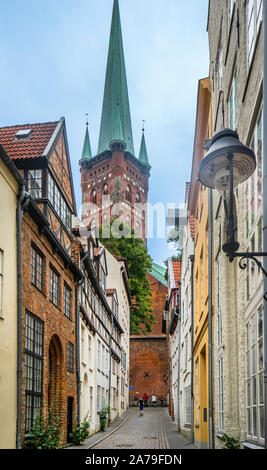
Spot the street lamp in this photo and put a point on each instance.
(228, 163)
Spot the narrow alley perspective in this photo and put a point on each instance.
(154, 430)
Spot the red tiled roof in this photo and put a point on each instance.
(176, 266)
(192, 224)
(30, 147)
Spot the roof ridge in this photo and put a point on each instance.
(29, 124)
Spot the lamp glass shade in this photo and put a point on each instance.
(214, 169)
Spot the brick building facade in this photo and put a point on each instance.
(47, 366)
(148, 353)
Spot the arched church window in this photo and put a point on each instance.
(128, 194)
(93, 197)
(138, 197)
(105, 189)
(105, 219)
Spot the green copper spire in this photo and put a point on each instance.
(143, 151)
(116, 119)
(86, 145)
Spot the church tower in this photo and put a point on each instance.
(115, 182)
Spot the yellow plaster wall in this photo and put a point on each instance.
(8, 319)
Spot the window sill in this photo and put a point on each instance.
(249, 445)
(39, 290)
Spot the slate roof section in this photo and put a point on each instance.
(29, 147)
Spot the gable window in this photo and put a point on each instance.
(1, 280)
(54, 287)
(233, 103)
(70, 362)
(34, 332)
(67, 301)
(35, 183)
(254, 18)
(58, 203)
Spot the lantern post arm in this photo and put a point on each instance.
(250, 255)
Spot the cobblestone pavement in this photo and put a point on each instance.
(139, 432)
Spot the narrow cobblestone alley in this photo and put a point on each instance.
(154, 430)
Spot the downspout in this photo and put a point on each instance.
(192, 258)
(78, 350)
(264, 184)
(210, 265)
(110, 372)
(78, 346)
(21, 200)
(179, 351)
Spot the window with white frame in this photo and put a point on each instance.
(35, 183)
(220, 392)
(1, 280)
(99, 364)
(233, 102)
(98, 399)
(91, 401)
(187, 406)
(219, 67)
(254, 18)
(255, 377)
(253, 209)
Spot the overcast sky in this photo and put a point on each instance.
(53, 57)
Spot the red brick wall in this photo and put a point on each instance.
(57, 326)
(148, 353)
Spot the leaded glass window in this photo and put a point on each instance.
(35, 183)
(54, 287)
(33, 366)
(67, 301)
(36, 268)
(70, 363)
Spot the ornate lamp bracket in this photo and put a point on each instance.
(243, 263)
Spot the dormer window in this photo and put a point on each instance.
(35, 183)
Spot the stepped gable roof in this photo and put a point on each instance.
(32, 146)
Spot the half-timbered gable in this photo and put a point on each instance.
(41, 153)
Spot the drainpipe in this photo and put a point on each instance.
(210, 368)
(20, 204)
(192, 258)
(110, 372)
(78, 346)
(179, 349)
(264, 184)
(78, 350)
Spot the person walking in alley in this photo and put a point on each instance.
(145, 397)
(141, 407)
